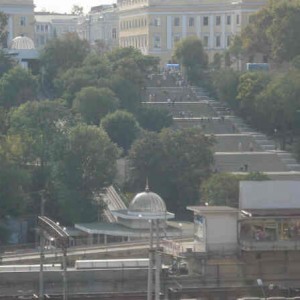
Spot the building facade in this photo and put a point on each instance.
(101, 24)
(155, 26)
(49, 25)
(20, 18)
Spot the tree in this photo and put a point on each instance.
(6, 62)
(95, 103)
(175, 162)
(154, 119)
(225, 83)
(14, 183)
(87, 165)
(284, 31)
(223, 188)
(39, 126)
(77, 10)
(61, 54)
(250, 85)
(190, 53)
(127, 92)
(274, 31)
(3, 29)
(93, 71)
(16, 87)
(132, 65)
(121, 127)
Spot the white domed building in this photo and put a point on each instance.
(146, 206)
(23, 50)
(134, 222)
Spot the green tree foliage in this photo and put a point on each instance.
(191, 55)
(225, 83)
(223, 188)
(6, 62)
(95, 103)
(250, 85)
(130, 64)
(3, 29)
(13, 185)
(154, 119)
(61, 54)
(127, 92)
(274, 31)
(16, 87)
(122, 128)
(87, 165)
(38, 126)
(175, 162)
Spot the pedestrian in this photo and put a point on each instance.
(251, 147)
(240, 147)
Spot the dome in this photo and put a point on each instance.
(147, 202)
(22, 43)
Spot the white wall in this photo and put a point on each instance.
(269, 194)
(221, 231)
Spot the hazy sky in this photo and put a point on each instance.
(65, 6)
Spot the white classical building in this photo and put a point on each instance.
(100, 24)
(49, 25)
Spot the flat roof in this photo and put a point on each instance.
(116, 229)
(212, 209)
(282, 212)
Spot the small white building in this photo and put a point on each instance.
(215, 228)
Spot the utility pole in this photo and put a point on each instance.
(157, 263)
(65, 283)
(42, 250)
(150, 269)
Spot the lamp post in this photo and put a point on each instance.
(261, 285)
(150, 269)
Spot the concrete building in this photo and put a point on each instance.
(155, 26)
(20, 18)
(100, 24)
(261, 239)
(50, 25)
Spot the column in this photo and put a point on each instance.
(198, 27)
(157, 264)
(184, 24)
(223, 35)
(211, 32)
(169, 32)
(10, 30)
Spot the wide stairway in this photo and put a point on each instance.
(238, 148)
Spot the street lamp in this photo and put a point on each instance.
(261, 285)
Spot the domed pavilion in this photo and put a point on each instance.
(144, 207)
(23, 50)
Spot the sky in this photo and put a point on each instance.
(65, 6)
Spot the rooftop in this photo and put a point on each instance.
(212, 209)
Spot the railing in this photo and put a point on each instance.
(279, 245)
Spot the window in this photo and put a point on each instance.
(156, 42)
(228, 40)
(218, 20)
(176, 21)
(37, 27)
(191, 22)
(228, 20)
(205, 41)
(218, 41)
(237, 19)
(205, 21)
(114, 33)
(23, 21)
(46, 28)
(156, 22)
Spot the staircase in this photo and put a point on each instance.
(237, 144)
